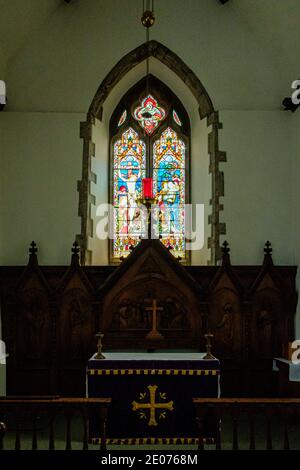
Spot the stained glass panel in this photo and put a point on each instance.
(169, 188)
(176, 118)
(149, 114)
(122, 118)
(128, 171)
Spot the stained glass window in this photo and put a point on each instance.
(176, 118)
(150, 135)
(122, 118)
(149, 114)
(128, 171)
(169, 189)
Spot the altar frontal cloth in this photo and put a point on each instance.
(151, 395)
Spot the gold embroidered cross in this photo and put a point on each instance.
(153, 406)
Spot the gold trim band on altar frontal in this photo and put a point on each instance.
(153, 372)
(151, 441)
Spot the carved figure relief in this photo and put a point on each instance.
(133, 314)
(226, 323)
(130, 315)
(34, 331)
(76, 312)
(265, 322)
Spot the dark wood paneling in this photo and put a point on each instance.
(51, 314)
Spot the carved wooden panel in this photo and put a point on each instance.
(75, 326)
(129, 310)
(51, 314)
(33, 327)
(125, 313)
(33, 333)
(226, 323)
(267, 332)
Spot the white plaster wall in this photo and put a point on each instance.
(40, 160)
(100, 189)
(200, 184)
(258, 189)
(295, 209)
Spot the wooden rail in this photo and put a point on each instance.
(259, 418)
(259, 414)
(23, 414)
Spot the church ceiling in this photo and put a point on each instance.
(18, 21)
(246, 46)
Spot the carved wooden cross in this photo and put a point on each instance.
(154, 334)
(152, 406)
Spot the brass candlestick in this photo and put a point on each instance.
(99, 354)
(208, 354)
(147, 202)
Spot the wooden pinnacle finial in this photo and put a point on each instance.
(268, 248)
(33, 248)
(225, 248)
(225, 253)
(75, 253)
(268, 253)
(76, 249)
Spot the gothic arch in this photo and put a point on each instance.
(168, 58)
(206, 109)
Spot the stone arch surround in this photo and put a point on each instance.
(206, 110)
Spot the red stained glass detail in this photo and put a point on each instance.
(149, 114)
(122, 118)
(176, 118)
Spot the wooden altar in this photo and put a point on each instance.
(152, 396)
(50, 315)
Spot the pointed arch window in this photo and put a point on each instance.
(150, 137)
